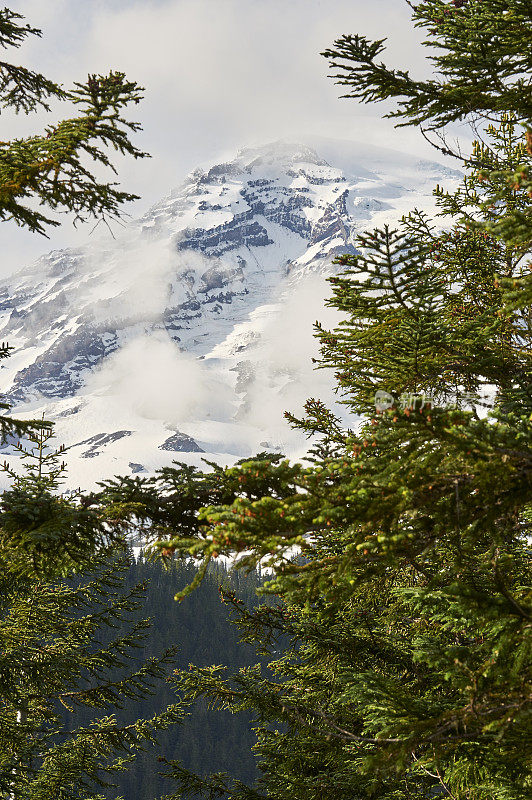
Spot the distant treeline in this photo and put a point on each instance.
(209, 740)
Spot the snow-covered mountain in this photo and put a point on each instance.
(191, 333)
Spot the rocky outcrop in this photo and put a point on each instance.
(135, 468)
(279, 204)
(58, 372)
(334, 222)
(181, 443)
(242, 231)
(99, 441)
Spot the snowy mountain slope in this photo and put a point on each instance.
(191, 333)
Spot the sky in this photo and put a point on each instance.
(218, 75)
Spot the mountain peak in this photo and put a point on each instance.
(283, 152)
(192, 332)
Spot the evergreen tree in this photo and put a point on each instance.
(409, 608)
(480, 52)
(46, 533)
(411, 665)
(53, 659)
(410, 673)
(50, 167)
(200, 627)
(165, 508)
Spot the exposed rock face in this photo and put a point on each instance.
(99, 441)
(200, 273)
(242, 231)
(333, 223)
(60, 370)
(279, 204)
(181, 443)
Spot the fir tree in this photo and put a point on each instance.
(53, 660)
(411, 669)
(165, 509)
(46, 533)
(50, 167)
(480, 57)
(410, 609)
(480, 52)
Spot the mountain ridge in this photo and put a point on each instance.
(178, 330)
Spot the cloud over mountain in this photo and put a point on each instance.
(195, 325)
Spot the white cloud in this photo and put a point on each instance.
(150, 377)
(218, 74)
(286, 376)
(134, 282)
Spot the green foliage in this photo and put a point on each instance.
(52, 664)
(82, 700)
(408, 608)
(52, 167)
(165, 508)
(20, 88)
(426, 299)
(45, 533)
(53, 660)
(480, 52)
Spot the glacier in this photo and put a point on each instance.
(188, 334)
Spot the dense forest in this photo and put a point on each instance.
(392, 660)
(200, 629)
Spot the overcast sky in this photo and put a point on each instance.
(218, 75)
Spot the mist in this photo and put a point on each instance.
(217, 76)
(151, 377)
